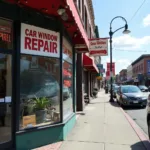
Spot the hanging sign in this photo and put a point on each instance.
(98, 47)
(39, 41)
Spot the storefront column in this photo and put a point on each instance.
(91, 84)
(88, 84)
(79, 69)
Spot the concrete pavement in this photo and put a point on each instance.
(102, 127)
(139, 116)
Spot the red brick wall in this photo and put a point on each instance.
(145, 64)
(140, 67)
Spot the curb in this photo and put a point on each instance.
(138, 130)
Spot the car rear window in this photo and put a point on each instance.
(130, 89)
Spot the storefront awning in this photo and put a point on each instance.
(78, 22)
(72, 20)
(89, 64)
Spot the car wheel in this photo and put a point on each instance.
(149, 128)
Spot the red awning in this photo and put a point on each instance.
(73, 24)
(78, 21)
(89, 64)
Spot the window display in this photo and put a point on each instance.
(67, 79)
(39, 91)
(5, 97)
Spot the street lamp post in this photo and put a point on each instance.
(111, 33)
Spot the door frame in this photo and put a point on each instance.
(11, 144)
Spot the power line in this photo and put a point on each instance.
(129, 50)
(137, 10)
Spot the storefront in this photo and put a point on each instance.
(37, 78)
(89, 75)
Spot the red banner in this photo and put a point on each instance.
(113, 67)
(107, 75)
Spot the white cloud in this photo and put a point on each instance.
(128, 42)
(121, 63)
(146, 21)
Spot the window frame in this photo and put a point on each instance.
(73, 73)
(11, 52)
(22, 54)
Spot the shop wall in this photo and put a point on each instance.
(30, 140)
(27, 139)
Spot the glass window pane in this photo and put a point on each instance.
(67, 89)
(67, 79)
(5, 97)
(6, 41)
(67, 51)
(39, 91)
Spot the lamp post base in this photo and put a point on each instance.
(111, 100)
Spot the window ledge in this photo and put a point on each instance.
(32, 129)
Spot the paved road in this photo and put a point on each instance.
(139, 116)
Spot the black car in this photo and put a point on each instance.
(143, 88)
(130, 95)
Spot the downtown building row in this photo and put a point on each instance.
(137, 73)
(45, 69)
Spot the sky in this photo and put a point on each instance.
(126, 48)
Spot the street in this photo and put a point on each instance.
(139, 116)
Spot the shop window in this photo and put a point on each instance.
(5, 97)
(67, 79)
(39, 91)
(6, 41)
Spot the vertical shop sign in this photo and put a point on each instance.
(39, 41)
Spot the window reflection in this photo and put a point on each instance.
(39, 91)
(5, 97)
(67, 79)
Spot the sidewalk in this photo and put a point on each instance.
(102, 127)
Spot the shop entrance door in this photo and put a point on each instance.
(5, 101)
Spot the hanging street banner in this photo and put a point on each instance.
(113, 67)
(98, 47)
(107, 75)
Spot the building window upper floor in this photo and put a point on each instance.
(85, 15)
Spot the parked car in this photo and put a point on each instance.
(66, 93)
(115, 88)
(130, 95)
(143, 88)
(148, 115)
